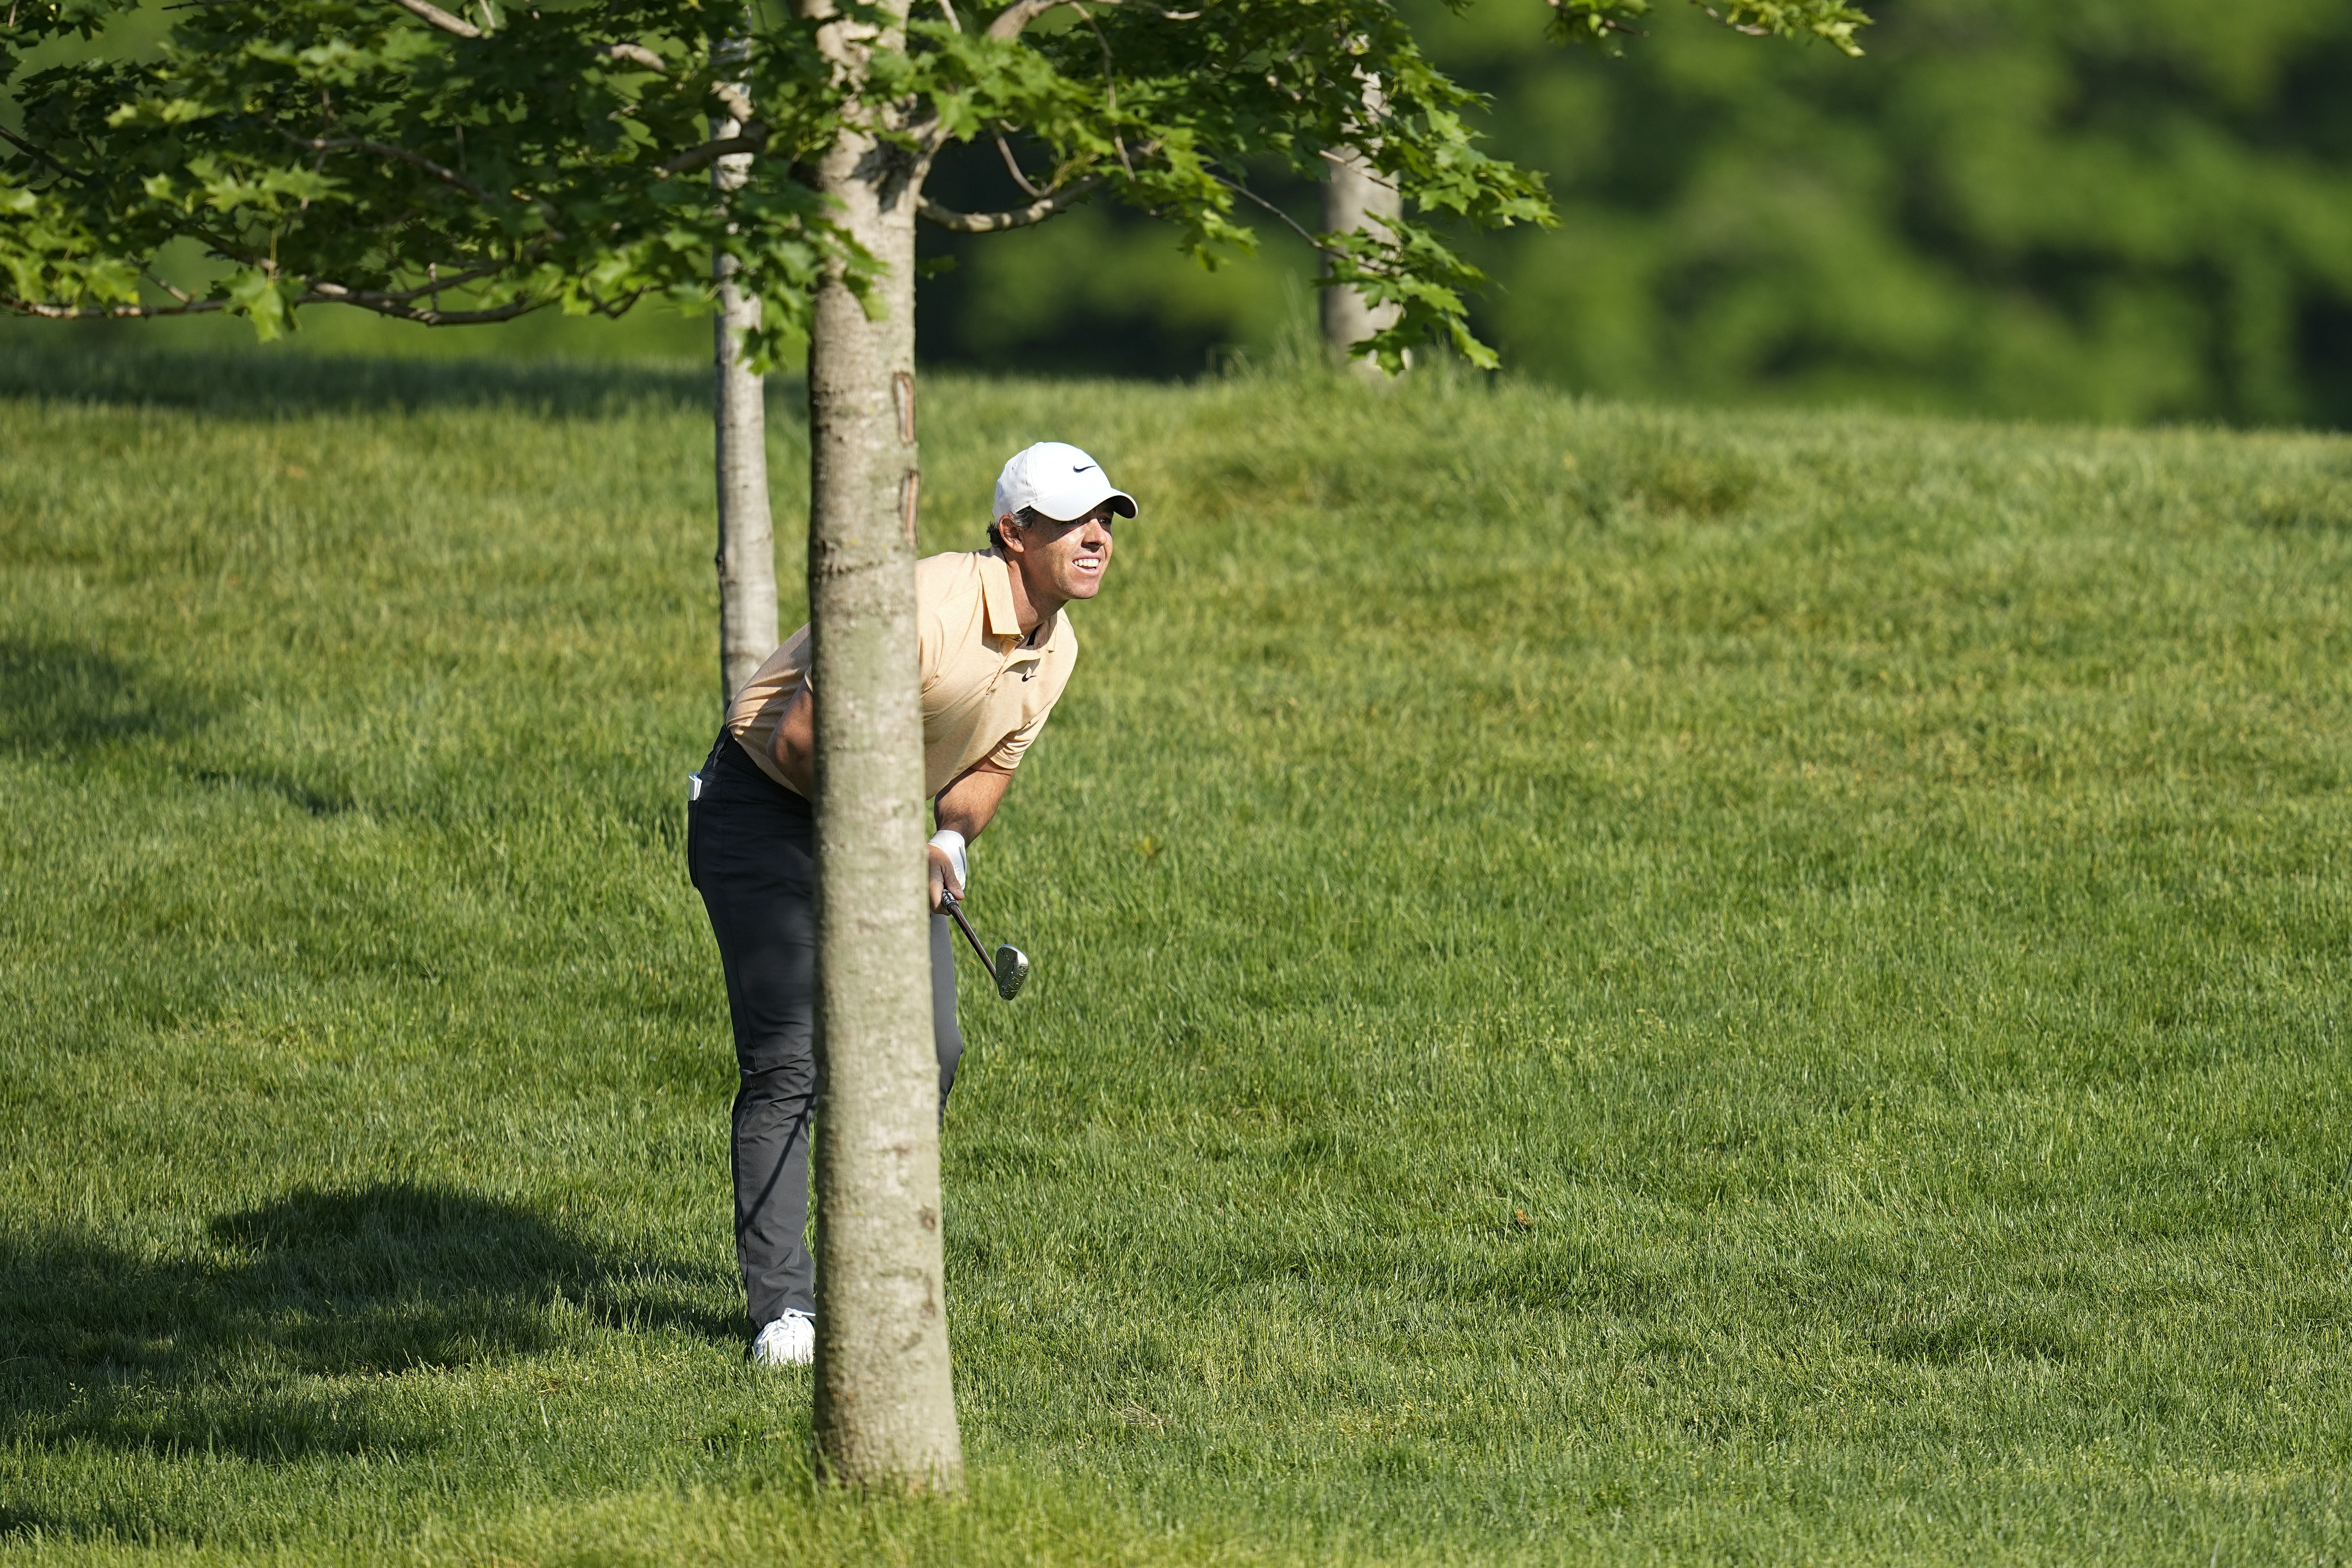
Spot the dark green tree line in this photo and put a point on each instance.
(2107, 210)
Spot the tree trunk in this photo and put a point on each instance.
(885, 1402)
(747, 543)
(1354, 196)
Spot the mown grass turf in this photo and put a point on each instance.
(1611, 986)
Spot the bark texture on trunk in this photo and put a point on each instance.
(885, 1402)
(747, 543)
(1354, 197)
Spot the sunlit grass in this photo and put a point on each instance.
(1610, 986)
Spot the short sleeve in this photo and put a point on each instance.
(930, 638)
(1007, 754)
(934, 598)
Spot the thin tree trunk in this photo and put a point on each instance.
(1356, 197)
(747, 543)
(885, 1402)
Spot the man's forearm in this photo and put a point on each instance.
(794, 748)
(951, 819)
(963, 810)
(969, 805)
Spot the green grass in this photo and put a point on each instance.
(1611, 986)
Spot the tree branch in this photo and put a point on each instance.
(110, 312)
(1014, 17)
(32, 152)
(1013, 166)
(1241, 190)
(455, 280)
(395, 306)
(637, 55)
(754, 139)
(1747, 27)
(1017, 16)
(1038, 211)
(182, 295)
(1606, 24)
(425, 10)
(386, 150)
(738, 101)
(1110, 81)
(1336, 156)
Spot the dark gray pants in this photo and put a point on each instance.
(750, 849)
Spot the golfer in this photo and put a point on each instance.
(996, 651)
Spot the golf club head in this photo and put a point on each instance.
(1011, 972)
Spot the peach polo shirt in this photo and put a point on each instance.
(986, 691)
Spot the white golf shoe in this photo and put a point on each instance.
(790, 1341)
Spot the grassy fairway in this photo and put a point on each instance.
(1611, 986)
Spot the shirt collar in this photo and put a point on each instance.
(996, 594)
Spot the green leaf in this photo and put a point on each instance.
(329, 149)
(262, 297)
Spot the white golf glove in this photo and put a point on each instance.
(951, 843)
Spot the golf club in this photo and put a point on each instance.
(1009, 970)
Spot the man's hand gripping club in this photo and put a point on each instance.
(964, 810)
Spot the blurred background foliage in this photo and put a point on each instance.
(2106, 209)
(2118, 210)
(2115, 210)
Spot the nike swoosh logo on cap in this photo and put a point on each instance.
(1080, 468)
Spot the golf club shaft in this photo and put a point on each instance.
(949, 902)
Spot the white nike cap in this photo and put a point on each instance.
(1060, 481)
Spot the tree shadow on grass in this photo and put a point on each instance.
(279, 1342)
(61, 701)
(57, 697)
(262, 385)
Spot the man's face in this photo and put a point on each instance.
(1065, 560)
